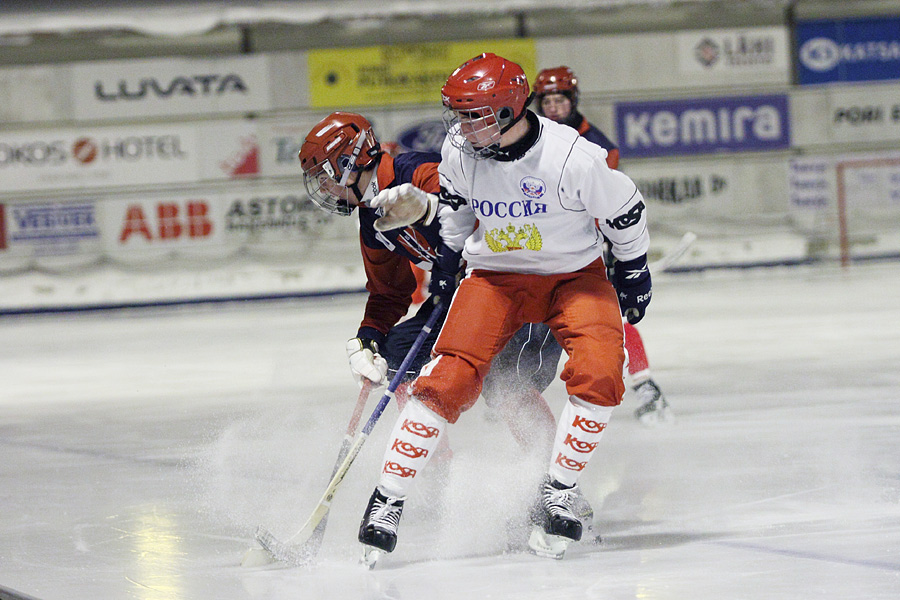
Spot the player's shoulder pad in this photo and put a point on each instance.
(581, 149)
(558, 131)
(587, 150)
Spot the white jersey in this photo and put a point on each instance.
(539, 213)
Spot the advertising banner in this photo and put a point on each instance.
(685, 187)
(402, 74)
(870, 184)
(149, 227)
(31, 94)
(427, 136)
(110, 156)
(275, 215)
(279, 145)
(229, 150)
(848, 50)
(809, 183)
(50, 228)
(865, 113)
(761, 49)
(169, 86)
(703, 126)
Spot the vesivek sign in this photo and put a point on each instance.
(703, 126)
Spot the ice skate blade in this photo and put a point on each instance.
(655, 418)
(543, 544)
(370, 557)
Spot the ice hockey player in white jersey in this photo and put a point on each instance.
(521, 196)
(556, 97)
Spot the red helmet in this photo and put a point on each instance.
(340, 144)
(491, 90)
(558, 80)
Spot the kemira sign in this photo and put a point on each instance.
(703, 126)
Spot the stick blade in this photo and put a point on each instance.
(292, 554)
(257, 557)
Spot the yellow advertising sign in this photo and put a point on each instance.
(403, 74)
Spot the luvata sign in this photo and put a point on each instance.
(162, 87)
(703, 125)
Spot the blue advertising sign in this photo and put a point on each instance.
(703, 126)
(852, 50)
(52, 229)
(424, 137)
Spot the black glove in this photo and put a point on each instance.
(442, 286)
(631, 279)
(445, 275)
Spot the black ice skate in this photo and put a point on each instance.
(555, 522)
(582, 509)
(378, 530)
(654, 410)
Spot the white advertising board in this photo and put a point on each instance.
(685, 191)
(149, 227)
(109, 156)
(280, 142)
(755, 50)
(43, 228)
(865, 114)
(688, 60)
(275, 214)
(169, 86)
(229, 150)
(32, 94)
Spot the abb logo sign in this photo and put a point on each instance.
(169, 221)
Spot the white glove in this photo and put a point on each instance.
(365, 362)
(404, 205)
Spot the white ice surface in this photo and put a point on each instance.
(141, 448)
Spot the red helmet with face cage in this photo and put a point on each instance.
(340, 144)
(484, 98)
(488, 80)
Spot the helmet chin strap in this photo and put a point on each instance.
(510, 125)
(354, 187)
(360, 140)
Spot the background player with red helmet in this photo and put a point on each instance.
(521, 196)
(556, 97)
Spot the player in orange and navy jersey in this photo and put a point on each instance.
(344, 167)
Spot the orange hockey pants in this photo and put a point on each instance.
(581, 308)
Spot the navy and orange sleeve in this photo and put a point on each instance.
(425, 177)
(592, 134)
(390, 282)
